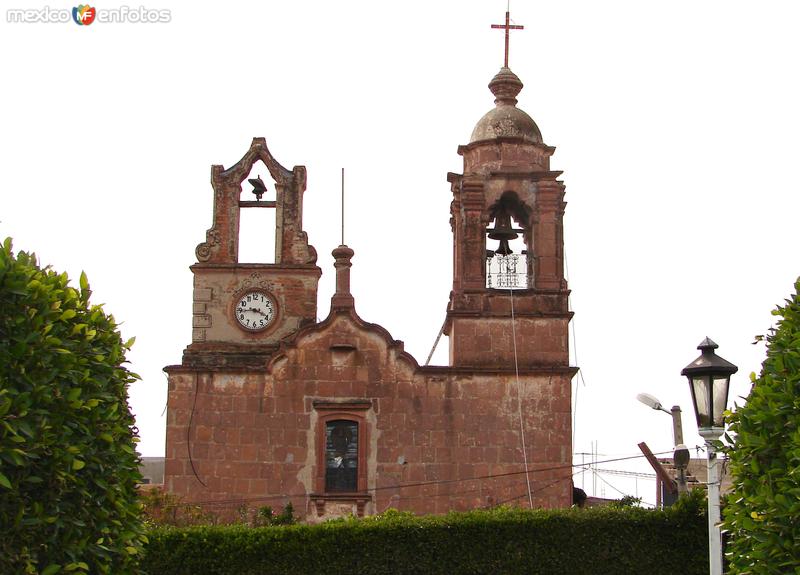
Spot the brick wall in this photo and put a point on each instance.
(429, 433)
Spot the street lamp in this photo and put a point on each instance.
(653, 403)
(681, 452)
(709, 379)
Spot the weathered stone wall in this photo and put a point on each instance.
(216, 289)
(432, 436)
(488, 342)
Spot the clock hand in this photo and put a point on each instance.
(255, 309)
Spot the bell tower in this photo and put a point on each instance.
(509, 294)
(241, 310)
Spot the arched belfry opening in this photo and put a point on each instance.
(508, 244)
(255, 280)
(257, 221)
(506, 216)
(282, 192)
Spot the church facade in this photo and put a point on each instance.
(270, 406)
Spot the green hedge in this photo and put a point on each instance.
(574, 542)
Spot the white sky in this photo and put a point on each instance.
(675, 124)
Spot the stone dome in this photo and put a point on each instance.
(506, 120)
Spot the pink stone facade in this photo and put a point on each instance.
(334, 416)
(433, 437)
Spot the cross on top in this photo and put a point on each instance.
(507, 26)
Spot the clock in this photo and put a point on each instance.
(254, 310)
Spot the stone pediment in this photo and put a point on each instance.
(342, 335)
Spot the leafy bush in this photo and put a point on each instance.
(264, 516)
(695, 502)
(626, 501)
(763, 508)
(592, 541)
(285, 517)
(162, 508)
(167, 509)
(68, 468)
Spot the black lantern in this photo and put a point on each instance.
(709, 378)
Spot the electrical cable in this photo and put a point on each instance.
(607, 483)
(519, 398)
(481, 486)
(424, 483)
(579, 376)
(436, 342)
(189, 429)
(239, 501)
(478, 487)
(166, 403)
(515, 497)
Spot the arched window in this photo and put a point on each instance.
(508, 245)
(341, 455)
(342, 444)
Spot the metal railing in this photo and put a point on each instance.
(507, 272)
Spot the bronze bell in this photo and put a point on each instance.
(259, 188)
(503, 232)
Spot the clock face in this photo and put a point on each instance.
(255, 310)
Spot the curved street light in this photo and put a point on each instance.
(680, 457)
(653, 403)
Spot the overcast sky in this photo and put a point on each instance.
(675, 124)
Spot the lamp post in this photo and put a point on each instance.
(653, 403)
(681, 453)
(709, 379)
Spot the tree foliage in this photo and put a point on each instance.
(762, 514)
(68, 468)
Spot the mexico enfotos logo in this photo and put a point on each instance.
(85, 15)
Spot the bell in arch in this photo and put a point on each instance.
(503, 232)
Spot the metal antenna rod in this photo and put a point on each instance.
(342, 207)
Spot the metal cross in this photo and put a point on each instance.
(507, 26)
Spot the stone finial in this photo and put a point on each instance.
(342, 298)
(505, 86)
(505, 120)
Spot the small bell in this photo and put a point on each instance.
(503, 232)
(259, 188)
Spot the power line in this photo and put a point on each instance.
(637, 474)
(519, 399)
(516, 497)
(611, 486)
(245, 500)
